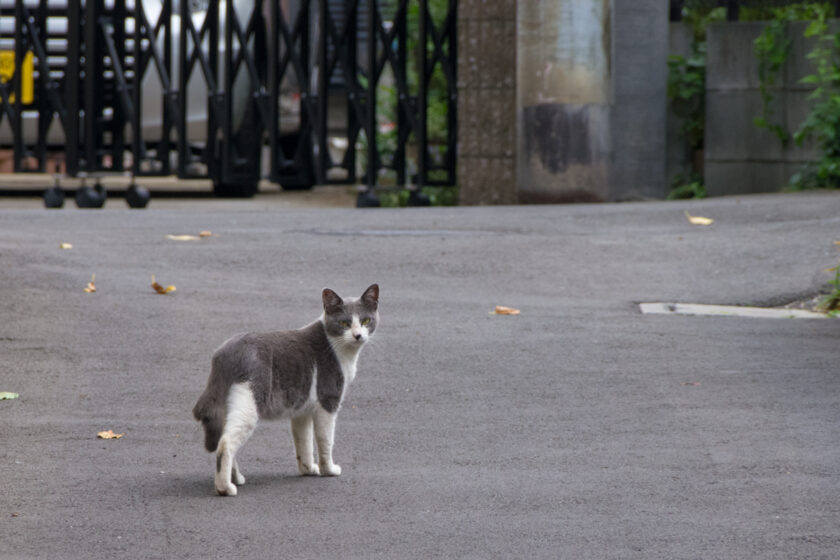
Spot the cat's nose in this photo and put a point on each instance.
(358, 336)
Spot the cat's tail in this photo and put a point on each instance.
(211, 414)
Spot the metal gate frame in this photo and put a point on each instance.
(267, 45)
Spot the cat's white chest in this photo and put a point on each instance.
(347, 360)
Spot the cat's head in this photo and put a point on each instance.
(351, 320)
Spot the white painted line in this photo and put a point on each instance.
(728, 310)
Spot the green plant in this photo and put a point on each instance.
(687, 185)
(831, 302)
(772, 48)
(823, 122)
(687, 92)
(439, 196)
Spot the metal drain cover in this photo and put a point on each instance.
(661, 308)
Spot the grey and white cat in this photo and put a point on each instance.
(300, 374)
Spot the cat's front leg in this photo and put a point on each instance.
(324, 434)
(302, 434)
(236, 475)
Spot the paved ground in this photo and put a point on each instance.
(578, 429)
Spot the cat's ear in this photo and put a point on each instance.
(371, 297)
(332, 301)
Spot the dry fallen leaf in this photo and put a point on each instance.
(183, 237)
(698, 220)
(160, 289)
(502, 310)
(109, 435)
(91, 287)
(205, 233)
(65, 245)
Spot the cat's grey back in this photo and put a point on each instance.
(280, 368)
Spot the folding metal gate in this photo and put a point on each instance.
(301, 91)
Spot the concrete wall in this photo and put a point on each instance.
(640, 74)
(487, 101)
(740, 157)
(591, 79)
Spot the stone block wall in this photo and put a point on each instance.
(487, 101)
(739, 156)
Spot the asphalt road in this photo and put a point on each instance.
(577, 429)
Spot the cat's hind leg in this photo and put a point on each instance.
(240, 422)
(302, 433)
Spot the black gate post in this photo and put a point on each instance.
(422, 99)
(71, 89)
(323, 81)
(368, 197)
(17, 81)
(92, 84)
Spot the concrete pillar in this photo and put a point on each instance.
(591, 105)
(487, 101)
(565, 90)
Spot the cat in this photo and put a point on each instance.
(299, 374)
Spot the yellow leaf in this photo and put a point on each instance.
(109, 435)
(502, 310)
(698, 220)
(91, 287)
(183, 237)
(65, 246)
(160, 289)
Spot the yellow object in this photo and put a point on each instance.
(698, 220)
(502, 310)
(109, 435)
(160, 289)
(91, 287)
(7, 72)
(183, 237)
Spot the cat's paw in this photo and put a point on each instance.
(330, 470)
(308, 470)
(228, 490)
(238, 479)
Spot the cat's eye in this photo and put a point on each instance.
(365, 322)
(345, 324)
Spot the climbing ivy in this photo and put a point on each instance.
(822, 124)
(823, 121)
(687, 92)
(772, 48)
